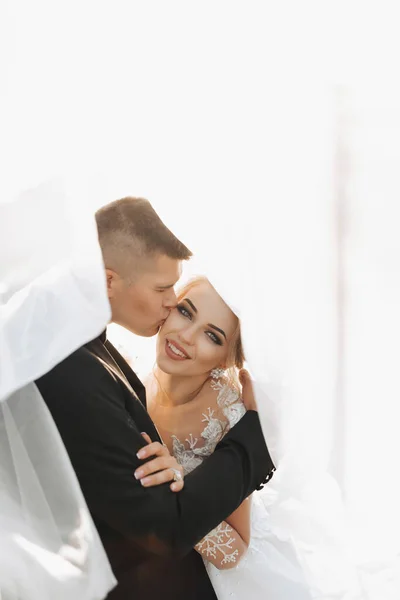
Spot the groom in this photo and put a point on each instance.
(99, 406)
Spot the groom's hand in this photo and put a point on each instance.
(161, 469)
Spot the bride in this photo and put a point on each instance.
(193, 396)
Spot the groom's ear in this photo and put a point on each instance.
(112, 282)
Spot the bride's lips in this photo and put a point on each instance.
(172, 354)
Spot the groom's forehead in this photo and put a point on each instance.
(166, 273)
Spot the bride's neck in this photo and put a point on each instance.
(176, 390)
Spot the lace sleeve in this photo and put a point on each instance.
(223, 546)
(229, 403)
(218, 416)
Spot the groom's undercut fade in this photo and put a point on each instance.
(130, 231)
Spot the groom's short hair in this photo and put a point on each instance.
(131, 231)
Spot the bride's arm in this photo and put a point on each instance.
(225, 545)
(240, 520)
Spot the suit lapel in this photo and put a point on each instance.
(134, 390)
(128, 373)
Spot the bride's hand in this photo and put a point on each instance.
(248, 397)
(161, 469)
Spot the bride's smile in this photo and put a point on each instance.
(175, 351)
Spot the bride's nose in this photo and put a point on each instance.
(187, 335)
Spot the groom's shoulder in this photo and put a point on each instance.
(81, 360)
(80, 369)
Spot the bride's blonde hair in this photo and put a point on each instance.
(235, 356)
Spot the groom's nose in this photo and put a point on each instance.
(170, 300)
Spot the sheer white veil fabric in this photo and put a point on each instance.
(53, 300)
(246, 139)
(312, 269)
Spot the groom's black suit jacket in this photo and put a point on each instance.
(98, 404)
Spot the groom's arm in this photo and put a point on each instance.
(102, 445)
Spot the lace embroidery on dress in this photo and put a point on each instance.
(228, 411)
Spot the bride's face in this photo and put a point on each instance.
(195, 337)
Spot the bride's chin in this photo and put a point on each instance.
(162, 362)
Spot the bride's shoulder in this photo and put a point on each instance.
(227, 399)
(224, 390)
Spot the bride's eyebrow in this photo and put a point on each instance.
(191, 304)
(217, 329)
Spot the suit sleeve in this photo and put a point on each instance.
(102, 444)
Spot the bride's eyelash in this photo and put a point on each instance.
(214, 338)
(184, 311)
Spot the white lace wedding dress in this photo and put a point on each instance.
(266, 570)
